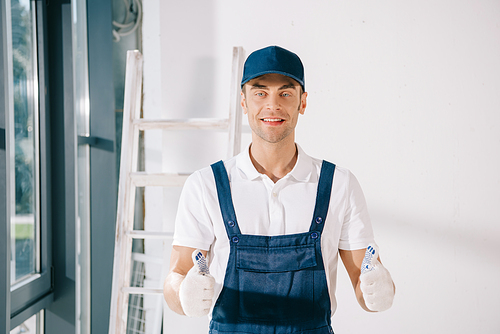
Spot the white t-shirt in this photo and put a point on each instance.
(266, 208)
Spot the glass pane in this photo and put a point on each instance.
(31, 326)
(24, 223)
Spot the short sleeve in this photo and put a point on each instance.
(193, 225)
(357, 230)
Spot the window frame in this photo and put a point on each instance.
(58, 224)
(22, 300)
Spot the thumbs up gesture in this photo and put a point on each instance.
(376, 282)
(197, 289)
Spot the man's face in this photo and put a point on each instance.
(273, 103)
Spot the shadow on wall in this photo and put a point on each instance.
(188, 40)
(188, 80)
(200, 100)
(433, 240)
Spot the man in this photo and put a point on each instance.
(272, 222)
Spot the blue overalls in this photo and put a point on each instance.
(273, 284)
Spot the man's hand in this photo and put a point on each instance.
(197, 288)
(376, 282)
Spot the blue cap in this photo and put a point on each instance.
(273, 59)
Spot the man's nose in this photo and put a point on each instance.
(273, 102)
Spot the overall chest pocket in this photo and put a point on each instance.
(276, 284)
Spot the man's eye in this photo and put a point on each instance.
(286, 95)
(260, 94)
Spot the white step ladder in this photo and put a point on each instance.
(130, 178)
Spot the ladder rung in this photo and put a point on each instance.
(146, 258)
(142, 291)
(144, 179)
(137, 234)
(183, 124)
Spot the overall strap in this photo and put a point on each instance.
(323, 196)
(225, 199)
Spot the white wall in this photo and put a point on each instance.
(406, 94)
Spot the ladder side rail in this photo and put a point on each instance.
(235, 111)
(133, 148)
(126, 197)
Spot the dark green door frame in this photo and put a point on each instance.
(103, 180)
(60, 316)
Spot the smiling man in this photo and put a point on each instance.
(272, 223)
(273, 103)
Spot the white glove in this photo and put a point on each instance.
(376, 282)
(197, 289)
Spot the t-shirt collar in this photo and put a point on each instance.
(300, 172)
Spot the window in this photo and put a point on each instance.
(25, 223)
(27, 284)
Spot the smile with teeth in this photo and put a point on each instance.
(272, 120)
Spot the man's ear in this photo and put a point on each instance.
(303, 103)
(243, 102)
